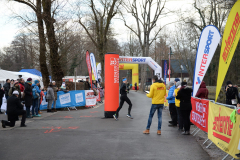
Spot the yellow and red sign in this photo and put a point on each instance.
(229, 43)
(221, 131)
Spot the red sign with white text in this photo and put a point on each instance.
(199, 114)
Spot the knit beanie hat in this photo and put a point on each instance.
(177, 79)
(183, 83)
(171, 83)
(229, 82)
(29, 79)
(178, 84)
(36, 81)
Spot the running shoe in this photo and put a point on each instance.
(38, 115)
(115, 117)
(129, 116)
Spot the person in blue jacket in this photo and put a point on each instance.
(35, 99)
(171, 101)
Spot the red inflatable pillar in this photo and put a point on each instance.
(111, 84)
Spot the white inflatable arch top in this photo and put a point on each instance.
(143, 60)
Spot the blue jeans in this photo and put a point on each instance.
(35, 106)
(159, 108)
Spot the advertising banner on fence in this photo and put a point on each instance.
(199, 114)
(221, 131)
(207, 45)
(230, 40)
(94, 66)
(89, 67)
(69, 99)
(90, 98)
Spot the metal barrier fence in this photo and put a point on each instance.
(194, 132)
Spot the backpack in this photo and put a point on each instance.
(34, 93)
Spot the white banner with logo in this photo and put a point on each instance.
(90, 98)
(143, 60)
(207, 45)
(94, 66)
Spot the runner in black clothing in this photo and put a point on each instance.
(123, 92)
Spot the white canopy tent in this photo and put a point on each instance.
(4, 74)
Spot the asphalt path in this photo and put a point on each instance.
(86, 135)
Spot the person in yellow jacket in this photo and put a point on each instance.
(157, 93)
(177, 104)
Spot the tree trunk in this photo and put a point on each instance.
(42, 56)
(57, 73)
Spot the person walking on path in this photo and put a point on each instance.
(1, 97)
(55, 89)
(14, 109)
(123, 98)
(28, 96)
(177, 104)
(50, 97)
(202, 91)
(172, 107)
(7, 87)
(16, 87)
(35, 101)
(184, 94)
(157, 93)
(232, 97)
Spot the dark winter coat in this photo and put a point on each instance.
(87, 85)
(13, 105)
(28, 94)
(202, 91)
(232, 93)
(184, 95)
(2, 92)
(6, 87)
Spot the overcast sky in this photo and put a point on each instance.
(9, 29)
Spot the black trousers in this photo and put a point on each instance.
(173, 113)
(186, 119)
(180, 119)
(124, 98)
(18, 112)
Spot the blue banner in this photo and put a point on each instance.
(67, 99)
(165, 71)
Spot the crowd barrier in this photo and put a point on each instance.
(68, 99)
(214, 119)
(73, 99)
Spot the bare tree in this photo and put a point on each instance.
(48, 17)
(36, 6)
(145, 23)
(102, 12)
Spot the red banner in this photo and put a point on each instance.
(199, 114)
(89, 67)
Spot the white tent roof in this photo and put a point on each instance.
(14, 75)
(7, 75)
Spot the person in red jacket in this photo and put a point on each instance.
(202, 91)
(21, 84)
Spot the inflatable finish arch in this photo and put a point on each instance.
(143, 60)
(135, 74)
